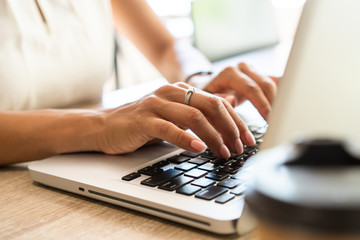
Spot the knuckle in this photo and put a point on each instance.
(140, 119)
(164, 89)
(229, 69)
(216, 103)
(252, 88)
(269, 86)
(242, 65)
(194, 115)
(181, 85)
(151, 100)
(266, 110)
(226, 103)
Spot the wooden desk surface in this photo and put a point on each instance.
(32, 211)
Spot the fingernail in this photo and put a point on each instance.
(250, 138)
(224, 151)
(198, 145)
(238, 146)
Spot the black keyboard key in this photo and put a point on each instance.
(208, 155)
(242, 156)
(199, 161)
(203, 182)
(258, 135)
(190, 154)
(219, 161)
(242, 175)
(153, 171)
(217, 175)
(185, 166)
(229, 183)
(211, 192)
(178, 159)
(175, 183)
(230, 169)
(229, 162)
(224, 198)
(145, 169)
(188, 190)
(239, 162)
(161, 177)
(196, 173)
(161, 164)
(234, 155)
(239, 190)
(249, 149)
(131, 176)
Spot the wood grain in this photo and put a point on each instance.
(32, 211)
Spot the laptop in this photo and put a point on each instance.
(208, 193)
(226, 28)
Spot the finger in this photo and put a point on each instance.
(247, 87)
(275, 79)
(245, 135)
(194, 119)
(267, 85)
(167, 131)
(213, 109)
(182, 85)
(228, 97)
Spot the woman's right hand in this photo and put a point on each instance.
(164, 115)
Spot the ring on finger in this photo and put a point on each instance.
(188, 95)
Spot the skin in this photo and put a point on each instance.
(30, 135)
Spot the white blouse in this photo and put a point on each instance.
(62, 59)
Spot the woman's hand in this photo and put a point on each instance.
(237, 84)
(164, 115)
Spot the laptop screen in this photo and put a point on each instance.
(319, 94)
(225, 28)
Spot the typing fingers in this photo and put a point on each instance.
(210, 117)
(168, 131)
(267, 84)
(245, 86)
(245, 83)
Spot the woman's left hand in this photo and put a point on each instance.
(240, 83)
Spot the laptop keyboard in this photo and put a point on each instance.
(201, 174)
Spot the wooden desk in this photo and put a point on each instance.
(32, 211)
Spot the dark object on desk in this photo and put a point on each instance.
(311, 187)
(322, 153)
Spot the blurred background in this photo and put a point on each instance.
(178, 16)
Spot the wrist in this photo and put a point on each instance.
(200, 73)
(80, 131)
(200, 80)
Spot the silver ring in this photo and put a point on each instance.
(188, 95)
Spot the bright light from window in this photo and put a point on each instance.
(288, 3)
(171, 7)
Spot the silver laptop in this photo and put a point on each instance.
(225, 28)
(321, 76)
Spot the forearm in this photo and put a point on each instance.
(173, 59)
(181, 60)
(32, 135)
